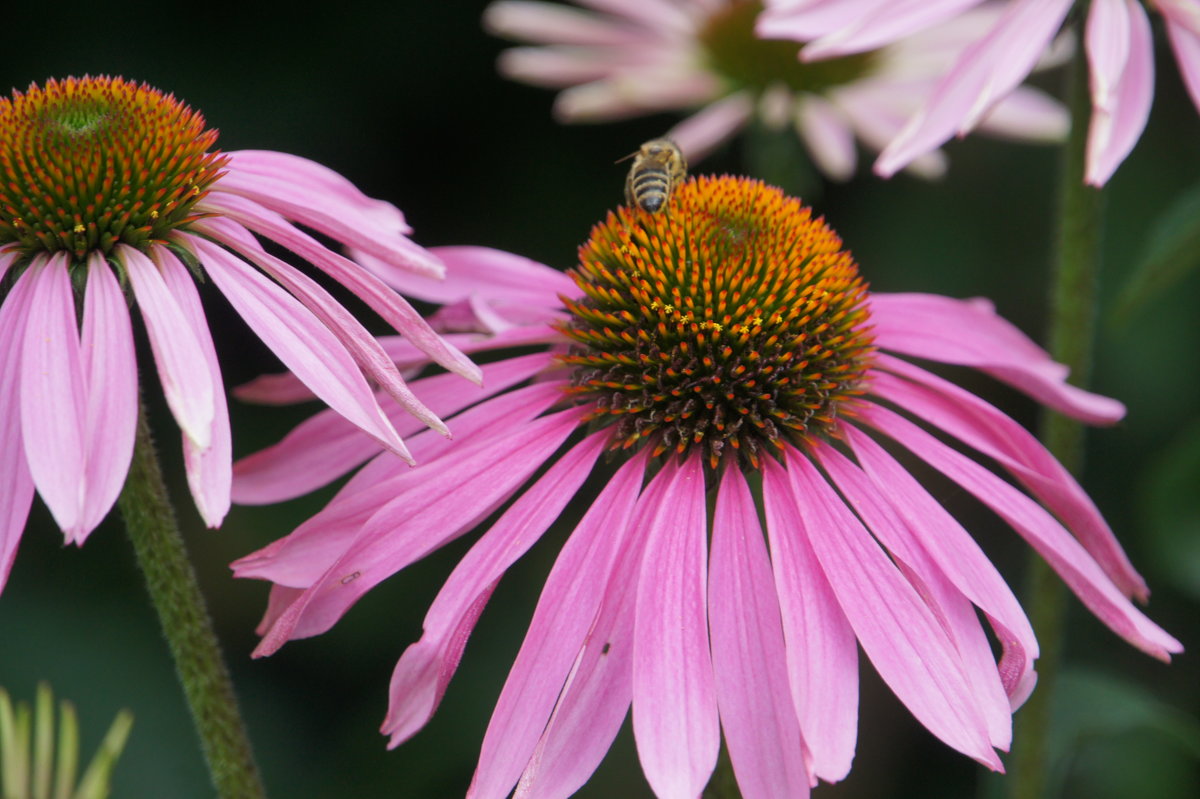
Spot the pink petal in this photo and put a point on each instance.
(980, 425)
(416, 522)
(675, 719)
(951, 608)
(749, 661)
(301, 558)
(494, 274)
(1107, 40)
(953, 551)
(16, 485)
(1030, 114)
(1122, 100)
(110, 374)
(1064, 554)
(969, 333)
(177, 352)
(326, 446)
(904, 640)
(1185, 41)
(822, 653)
(700, 133)
(884, 24)
(421, 676)
(209, 469)
(985, 72)
(393, 308)
(551, 23)
(326, 202)
(304, 345)
(562, 624)
(828, 136)
(53, 395)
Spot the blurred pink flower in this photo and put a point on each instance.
(645, 56)
(107, 185)
(759, 369)
(1117, 36)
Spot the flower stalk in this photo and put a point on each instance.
(152, 527)
(1070, 334)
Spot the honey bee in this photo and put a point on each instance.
(658, 167)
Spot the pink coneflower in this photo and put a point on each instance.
(110, 193)
(1117, 36)
(724, 366)
(639, 57)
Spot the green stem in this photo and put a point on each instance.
(150, 521)
(1070, 334)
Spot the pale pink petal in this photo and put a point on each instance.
(822, 653)
(987, 71)
(392, 307)
(700, 133)
(301, 190)
(1107, 39)
(565, 614)
(903, 638)
(675, 719)
(1185, 41)
(980, 425)
(496, 275)
(1029, 114)
(1064, 554)
(325, 446)
(884, 24)
(749, 662)
(110, 374)
(209, 469)
(805, 20)
(1122, 100)
(957, 554)
(302, 557)
(304, 345)
(949, 605)
(558, 66)
(828, 135)
(16, 485)
(970, 333)
(53, 398)
(433, 511)
(552, 23)
(186, 384)
(655, 14)
(629, 94)
(421, 676)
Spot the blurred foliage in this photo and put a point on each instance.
(1172, 251)
(404, 99)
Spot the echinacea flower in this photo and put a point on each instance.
(723, 365)
(632, 57)
(1117, 38)
(110, 192)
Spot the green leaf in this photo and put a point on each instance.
(1172, 250)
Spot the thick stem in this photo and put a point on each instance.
(150, 521)
(1070, 335)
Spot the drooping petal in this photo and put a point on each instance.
(186, 385)
(496, 275)
(902, 637)
(698, 134)
(675, 720)
(985, 72)
(110, 374)
(822, 653)
(828, 135)
(1122, 100)
(949, 605)
(304, 345)
(1185, 41)
(762, 733)
(1064, 554)
(53, 395)
(390, 306)
(433, 511)
(957, 554)
(425, 668)
(982, 426)
(209, 469)
(16, 484)
(970, 333)
(566, 612)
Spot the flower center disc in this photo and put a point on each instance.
(88, 162)
(730, 321)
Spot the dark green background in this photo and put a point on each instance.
(404, 99)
